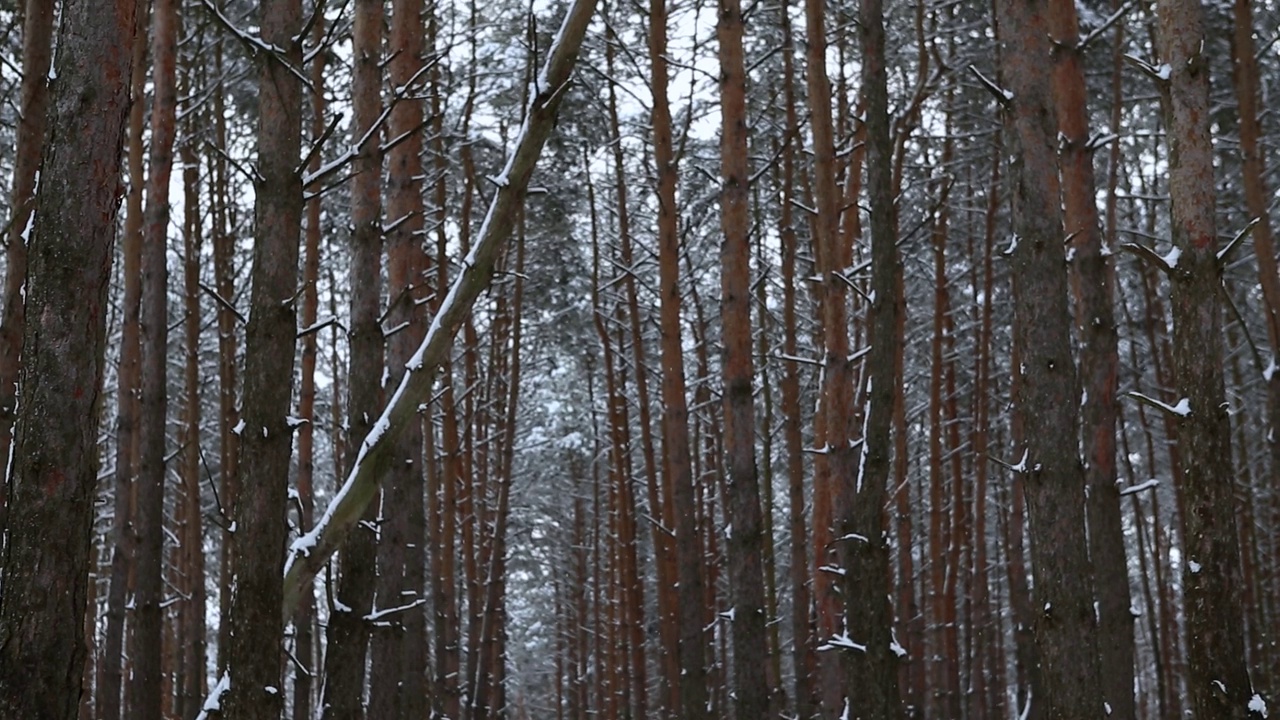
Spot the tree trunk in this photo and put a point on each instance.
(146, 655)
(303, 632)
(348, 634)
(1265, 656)
(675, 412)
(872, 671)
(54, 476)
(37, 35)
(123, 533)
(1092, 281)
(1065, 632)
(257, 631)
(1218, 679)
(193, 644)
(744, 531)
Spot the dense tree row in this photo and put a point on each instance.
(464, 360)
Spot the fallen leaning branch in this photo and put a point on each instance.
(309, 553)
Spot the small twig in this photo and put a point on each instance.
(1225, 253)
(1002, 96)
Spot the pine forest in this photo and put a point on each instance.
(671, 359)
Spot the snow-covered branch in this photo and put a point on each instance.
(310, 552)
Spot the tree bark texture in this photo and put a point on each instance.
(1048, 393)
(46, 556)
(1218, 680)
(744, 534)
(256, 627)
(348, 632)
(37, 37)
(873, 672)
(153, 389)
(1092, 280)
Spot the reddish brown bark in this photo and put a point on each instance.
(744, 533)
(1053, 478)
(1218, 680)
(37, 36)
(1092, 280)
(111, 670)
(675, 413)
(153, 399)
(54, 476)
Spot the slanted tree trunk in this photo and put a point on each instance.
(348, 633)
(1092, 281)
(46, 570)
(873, 671)
(257, 630)
(744, 533)
(37, 35)
(1049, 394)
(146, 678)
(1218, 680)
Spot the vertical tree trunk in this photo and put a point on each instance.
(37, 36)
(398, 668)
(1266, 656)
(744, 532)
(1092, 280)
(302, 623)
(1218, 680)
(253, 659)
(193, 605)
(675, 413)
(873, 671)
(348, 634)
(111, 676)
(46, 568)
(801, 627)
(837, 385)
(1065, 632)
(448, 701)
(228, 413)
(147, 671)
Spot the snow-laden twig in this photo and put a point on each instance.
(1134, 489)
(1181, 409)
(310, 552)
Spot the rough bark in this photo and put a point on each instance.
(304, 633)
(153, 391)
(675, 411)
(398, 668)
(37, 36)
(873, 672)
(348, 633)
(46, 559)
(111, 675)
(1265, 654)
(1048, 394)
(1092, 279)
(1218, 680)
(256, 629)
(744, 534)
